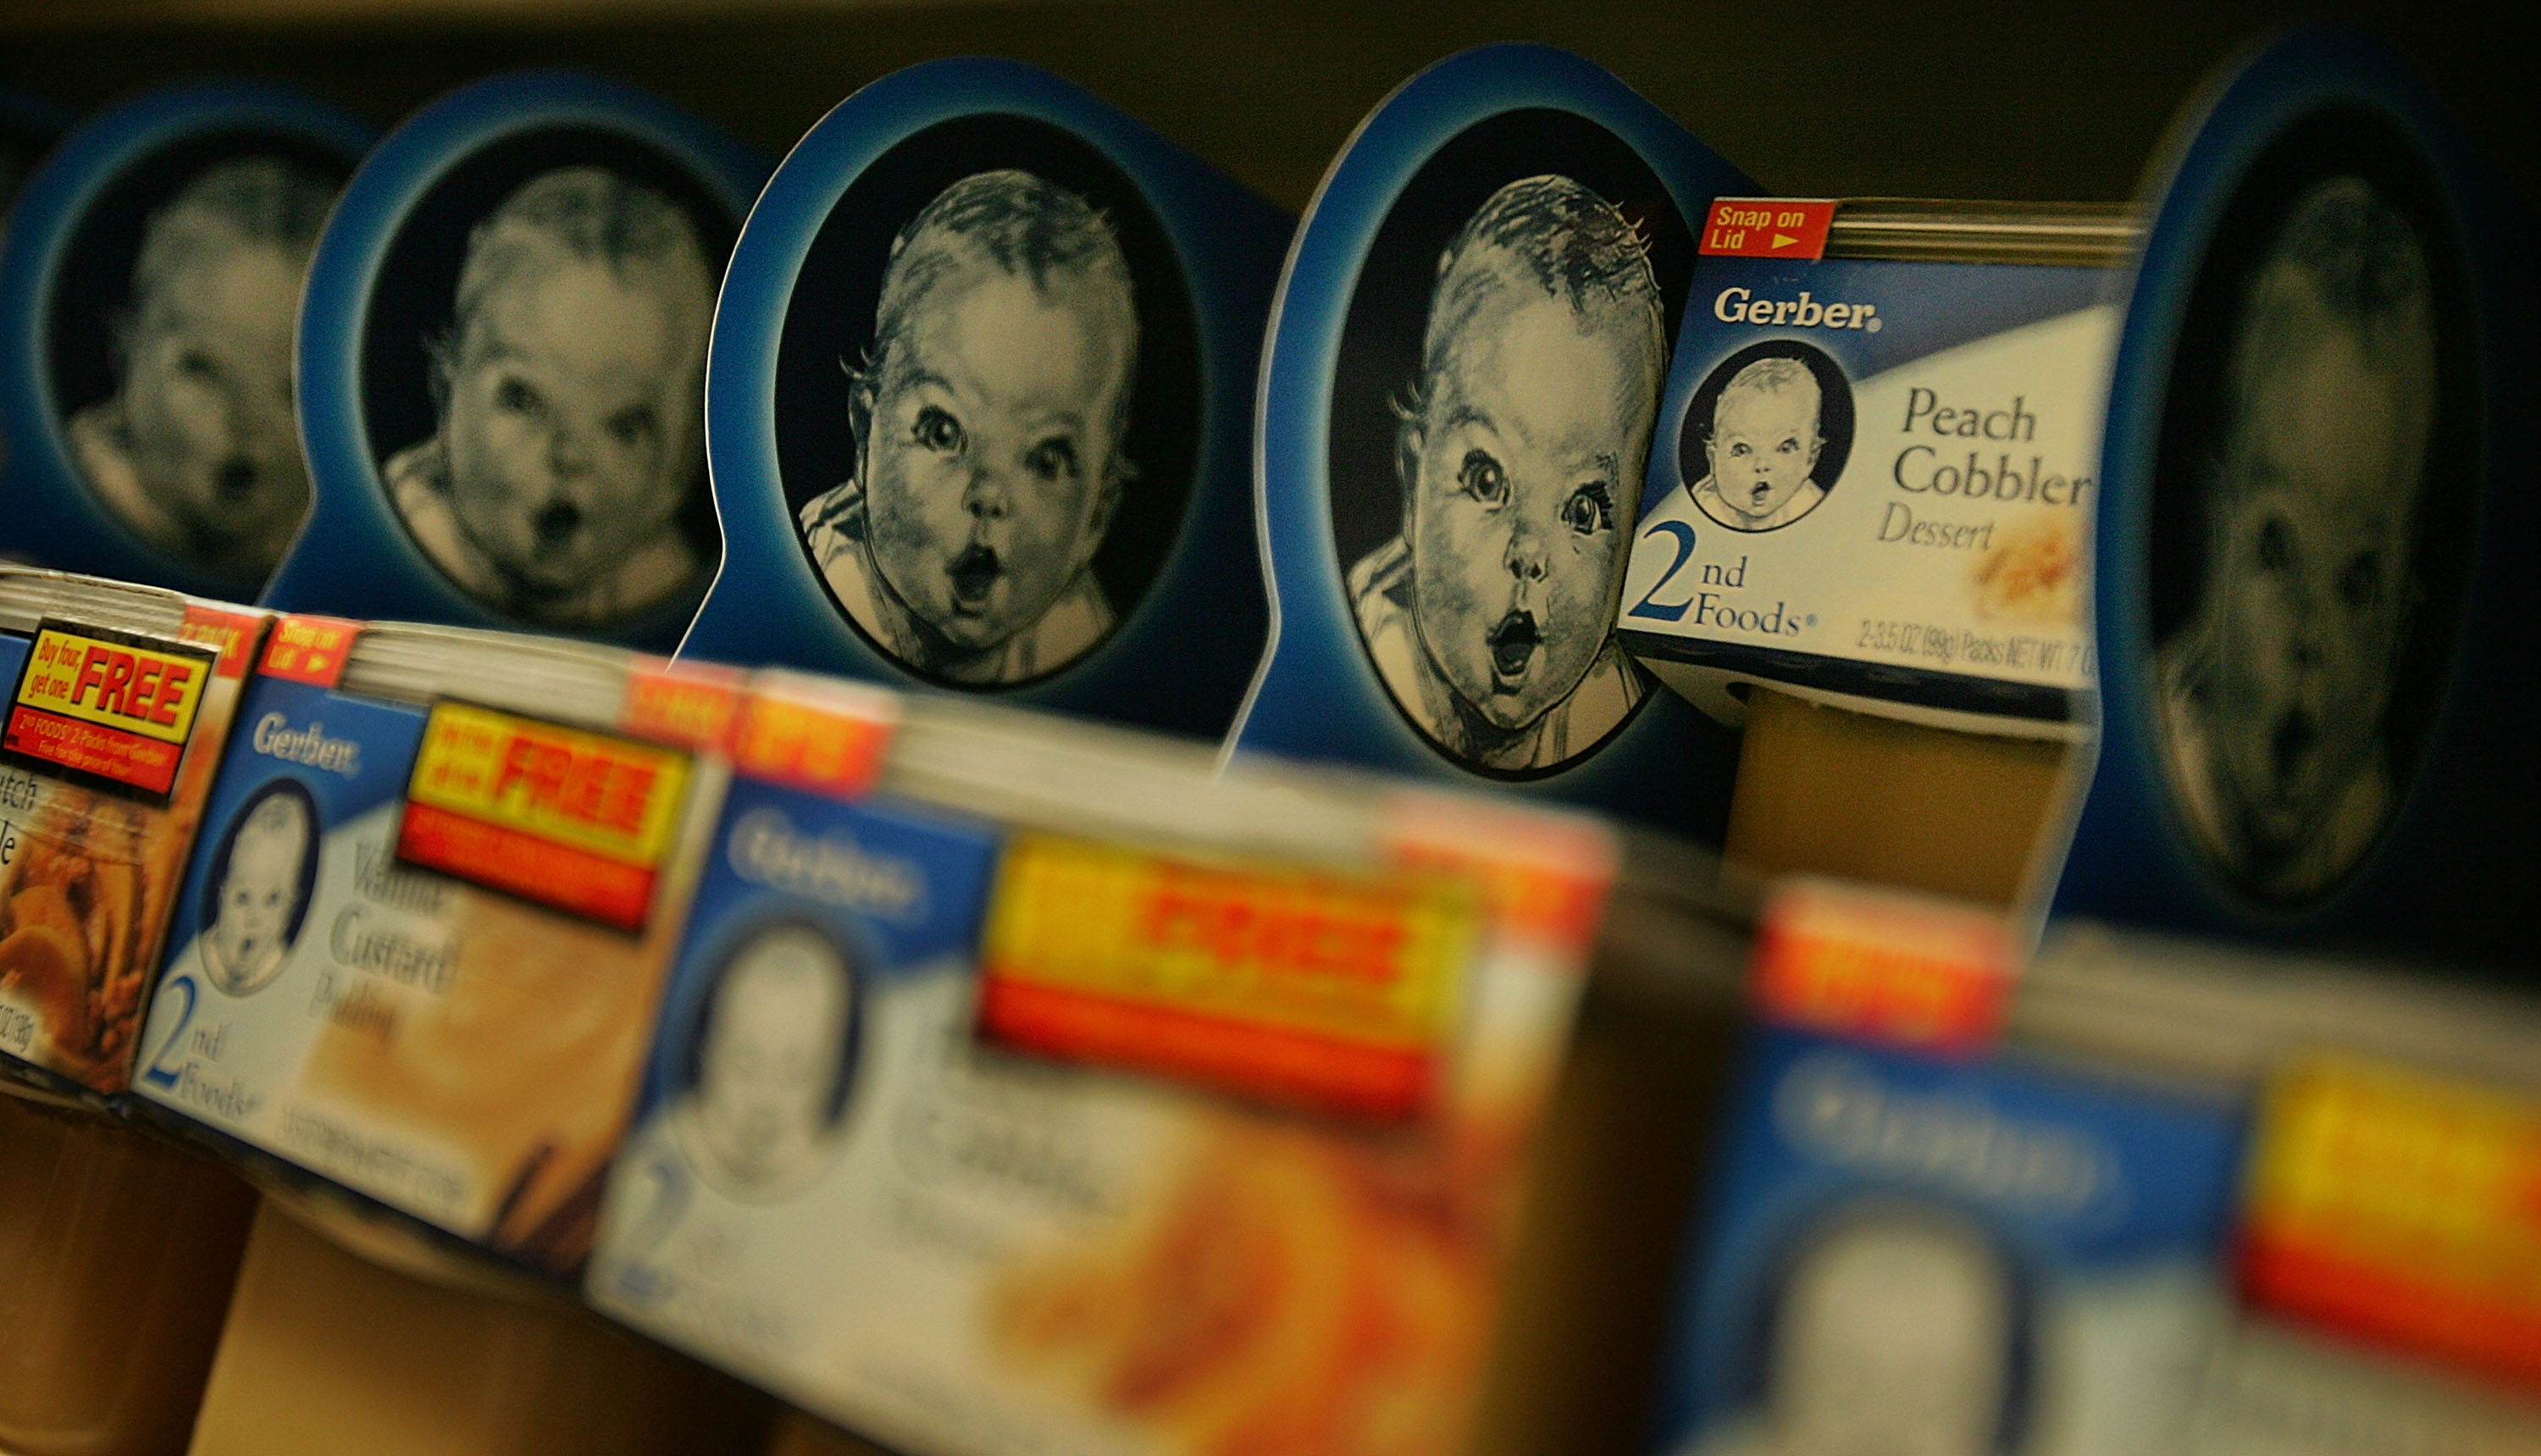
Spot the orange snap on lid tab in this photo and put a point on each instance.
(1768, 227)
(1882, 966)
(310, 650)
(827, 738)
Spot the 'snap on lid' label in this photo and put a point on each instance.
(1333, 992)
(1766, 227)
(1879, 965)
(827, 744)
(310, 650)
(111, 707)
(563, 817)
(2401, 1208)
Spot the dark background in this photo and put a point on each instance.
(411, 308)
(829, 323)
(2012, 99)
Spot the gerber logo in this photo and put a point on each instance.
(1837, 1108)
(1741, 305)
(764, 849)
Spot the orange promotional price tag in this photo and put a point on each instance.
(110, 706)
(2402, 1209)
(1337, 992)
(574, 819)
(1768, 227)
(1881, 966)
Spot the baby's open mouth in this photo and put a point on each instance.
(556, 523)
(973, 574)
(1513, 642)
(2292, 743)
(1760, 492)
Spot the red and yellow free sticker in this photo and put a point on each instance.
(568, 818)
(107, 705)
(1335, 991)
(2402, 1209)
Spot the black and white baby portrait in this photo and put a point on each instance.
(1483, 548)
(533, 380)
(173, 321)
(2288, 689)
(1013, 365)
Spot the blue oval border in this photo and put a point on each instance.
(356, 556)
(1163, 667)
(2418, 889)
(53, 517)
(1318, 697)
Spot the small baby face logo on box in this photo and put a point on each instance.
(1000, 420)
(258, 892)
(1767, 436)
(535, 389)
(2308, 448)
(772, 1062)
(171, 326)
(1483, 548)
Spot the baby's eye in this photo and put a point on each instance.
(1591, 509)
(1483, 478)
(517, 396)
(1788, 446)
(1053, 458)
(634, 425)
(197, 364)
(1739, 448)
(2360, 582)
(934, 429)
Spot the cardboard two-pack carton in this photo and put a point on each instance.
(444, 875)
(1025, 1085)
(116, 1251)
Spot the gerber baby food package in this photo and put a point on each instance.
(1874, 476)
(2151, 1218)
(121, 699)
(1461, 382)
(981, 406)
(502, 365)
(1025, 1085)
(419, 954)
(1864, 535)
(149, 289)
(2315, 613)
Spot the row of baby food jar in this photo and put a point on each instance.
(899, 1055)
(2153, 561)
(977, 1083)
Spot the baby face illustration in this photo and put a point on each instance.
(1765, 438)
(1531, 434)
(254, 902)
(207, 392)
(1893, 1341)
(771, 1056)
(572, 416)
(2310, 563)
(988, 449)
